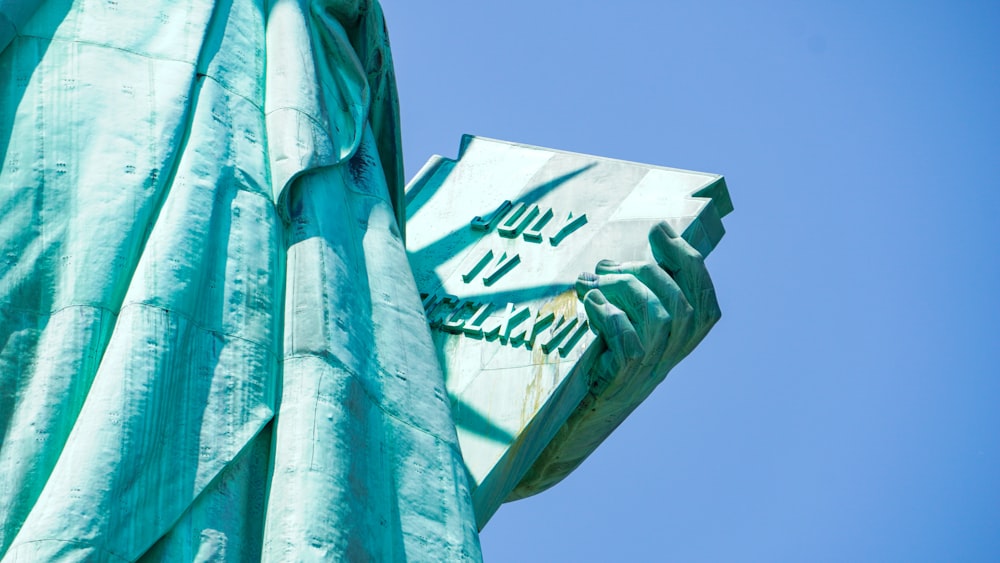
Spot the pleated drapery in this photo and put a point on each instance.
(211, 345)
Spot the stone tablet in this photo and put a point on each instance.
(496, 240)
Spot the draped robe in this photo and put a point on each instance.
(211, 344)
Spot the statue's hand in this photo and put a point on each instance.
(650, 314)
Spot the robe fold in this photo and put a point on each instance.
(211, 344)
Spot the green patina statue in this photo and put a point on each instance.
(212, 346)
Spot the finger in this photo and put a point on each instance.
(687, 267)
(584, 283)
(657, 280)
(642, 307)
(670, 250)
(614, 326)
(680, 330)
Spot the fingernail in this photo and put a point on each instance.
(584, 283)
(607, 264)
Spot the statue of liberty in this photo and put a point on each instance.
(211, 344)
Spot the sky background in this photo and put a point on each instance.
(847, 405)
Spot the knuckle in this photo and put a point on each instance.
(649, 269)
(617, 281)
(617, 317)
(636, 288)
(660, 317)
(693, 260)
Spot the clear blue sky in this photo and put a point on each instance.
(847, 406)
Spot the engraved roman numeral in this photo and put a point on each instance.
(478, 267)
(502, 326)
(581, 329)
(566, 332)
(439, 310)
(456, 320)
(529, 331)
(559, 333)
(474, 326)
(490, 270)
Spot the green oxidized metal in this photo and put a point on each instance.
(183, 371)
(212, 346)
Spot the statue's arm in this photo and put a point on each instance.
(650, 315)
